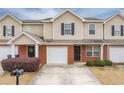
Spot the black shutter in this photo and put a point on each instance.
(4, 30)
(13, 30)
(112, 30)
(122, 30)
(73, 28)
(62, 28)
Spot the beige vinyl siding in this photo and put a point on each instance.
(48, 31)
(35, 28)
(117, 20)
(22, 40)
(98, 31)
(9, 21)
(68, 17)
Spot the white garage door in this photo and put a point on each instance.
(6, 50)
(116, 54)
(57, 55)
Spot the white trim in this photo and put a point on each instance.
(13, 50)
(36, 50)
(9, 42)
(11, 17)
(112, 17)
(68, 10)
(89, 29)
(32, 23)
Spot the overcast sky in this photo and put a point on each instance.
(40, 13)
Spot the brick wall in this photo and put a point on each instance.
(22, 49)
(70, 54)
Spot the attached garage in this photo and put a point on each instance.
(6, 50)
(57, 54)
(116, 54)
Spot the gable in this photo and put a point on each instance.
(67, 16)
(118, 19)
(23, 39)
(9, 20)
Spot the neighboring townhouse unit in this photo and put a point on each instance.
(66, 38)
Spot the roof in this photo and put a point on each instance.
(34, 37)
(85, 41)
(115, 42)
(31, 21)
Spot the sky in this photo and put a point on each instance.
(41, 13)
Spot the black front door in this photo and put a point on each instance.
(77, 52)
(31, 51)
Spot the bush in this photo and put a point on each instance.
(89, 63)
(99, 63)
(108, 62)
(27, 64)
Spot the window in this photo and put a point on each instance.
(8, 30)
(67, 29)
(27, 28)
(93, 51)
(91, 29)
(117, 30)
(89, 50)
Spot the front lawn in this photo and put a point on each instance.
(25, 79)
(109, 74)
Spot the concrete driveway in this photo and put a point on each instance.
(65, 75)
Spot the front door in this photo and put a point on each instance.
(77, 52)
(31, 51)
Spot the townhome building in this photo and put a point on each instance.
(66, 38)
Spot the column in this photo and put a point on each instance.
(13, 50)
(36, 50)
(101, 52)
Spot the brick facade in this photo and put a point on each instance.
(43, 54)
(83, 53)
(70, 54)
(22, 50)
(105, 52)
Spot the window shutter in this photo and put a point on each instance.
(13, 30)
(62, 28)
(4, 30)
(122, 30)
(73, 28)
(112, 30)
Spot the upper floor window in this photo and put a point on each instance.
(67, 28)
(92, 28)
(117, 30)
(8, 30)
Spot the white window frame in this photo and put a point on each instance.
(115, 31)
(66, 29)
(10, 33)
(89, 28)
(93, 47)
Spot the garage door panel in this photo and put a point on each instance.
(57, 55)
(6, 50)
(116, 54)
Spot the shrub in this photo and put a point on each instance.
(27, 64)
(108, 62)
(89, 63)
(99, 63)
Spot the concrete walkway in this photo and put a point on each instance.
(1, 70)
(65, 75)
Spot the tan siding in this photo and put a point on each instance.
(68, 17)
(48, 34)
(9, 21)
(117, 20)
(98, 33)
(24, 40)
(35, 28)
